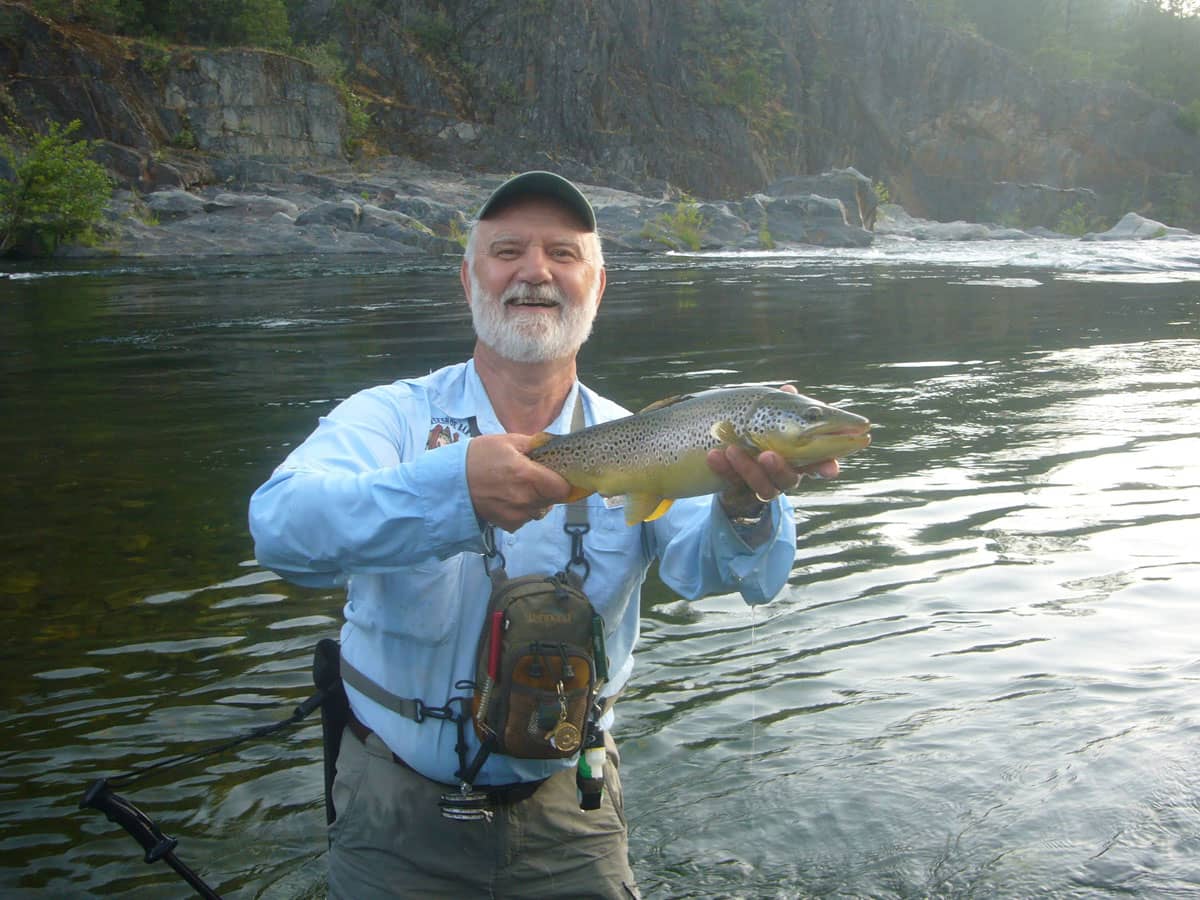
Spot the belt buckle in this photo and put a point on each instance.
(467, 805)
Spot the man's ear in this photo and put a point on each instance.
(603, 283)
(465, 277)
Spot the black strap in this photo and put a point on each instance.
(577, 512)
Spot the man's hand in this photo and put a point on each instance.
(507, 488)
(754, 481)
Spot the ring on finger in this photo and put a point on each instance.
(761, 499)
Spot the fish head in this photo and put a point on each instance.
(803, 430)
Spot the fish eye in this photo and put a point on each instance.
(814, 414)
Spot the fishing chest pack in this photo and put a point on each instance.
(540, 662)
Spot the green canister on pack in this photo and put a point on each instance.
(598, 653)
(589, 774)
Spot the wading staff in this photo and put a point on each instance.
(145, 831)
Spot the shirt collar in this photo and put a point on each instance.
(477, 403)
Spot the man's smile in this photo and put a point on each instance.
(532, 302)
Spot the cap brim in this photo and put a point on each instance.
(540, 184)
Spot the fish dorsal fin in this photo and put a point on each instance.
(645, 508)
(665, 402)
(541, 439)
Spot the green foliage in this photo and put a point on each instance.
(1151, 43)
(1189, 117)
(155, 61)
(435, 34)
(259, 23)
(326, 59)
(185, 139)
(682, 228)
(1078, 220)
(56, 194)
(358, 121)
(882, 194)
(735, 58)
(103, 15)
(263, 23)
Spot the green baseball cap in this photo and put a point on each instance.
(542, 184)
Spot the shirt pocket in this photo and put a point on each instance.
(423, 603)
(617, 557)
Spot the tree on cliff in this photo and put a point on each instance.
(260, 23)
(52, 191)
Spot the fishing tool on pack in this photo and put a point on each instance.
(159, 846)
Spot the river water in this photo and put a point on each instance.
(983, 678)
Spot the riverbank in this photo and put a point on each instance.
(401, 207)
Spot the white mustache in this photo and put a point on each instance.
(544, 292)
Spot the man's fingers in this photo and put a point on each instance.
(761, 478)
(507, 488)
(827, 468)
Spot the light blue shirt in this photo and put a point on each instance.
(377, 498)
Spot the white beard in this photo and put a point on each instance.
(534, 337)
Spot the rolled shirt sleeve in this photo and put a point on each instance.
(701, 552)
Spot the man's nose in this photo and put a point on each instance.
(535, 266)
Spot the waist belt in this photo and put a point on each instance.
(499, 793)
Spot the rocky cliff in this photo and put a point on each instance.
(714, 98)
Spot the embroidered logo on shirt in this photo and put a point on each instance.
(444, 430)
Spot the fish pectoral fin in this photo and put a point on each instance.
(725, 432)
(578, 493)
(645, 508)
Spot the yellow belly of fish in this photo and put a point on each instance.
(649, 490)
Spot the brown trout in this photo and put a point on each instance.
(659, 455)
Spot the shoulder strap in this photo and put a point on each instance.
(577, 512)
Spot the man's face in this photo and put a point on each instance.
(534, 278)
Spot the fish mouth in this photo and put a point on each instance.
(841, 429)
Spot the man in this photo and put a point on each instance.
(397, 492)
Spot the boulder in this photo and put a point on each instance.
(1133, 227)
(854, 189)
(344, 214)
(174, 204)
(803, 219)
(251, 205)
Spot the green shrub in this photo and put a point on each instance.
(56, 192)
(1077, 220)
(682, 228)
(1189, 117)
